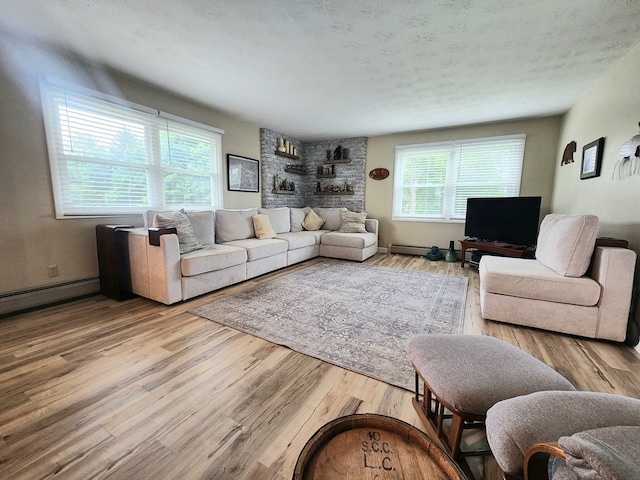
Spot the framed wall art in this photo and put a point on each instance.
(243, 174)
(592, 159)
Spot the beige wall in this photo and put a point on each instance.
(540, 158)
(31, 237)
(611, 109)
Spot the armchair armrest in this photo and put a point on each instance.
(613, 268)
(536, 461)
(371, 225)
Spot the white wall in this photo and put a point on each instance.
(611, 109)
(31, 238)
(537, 175)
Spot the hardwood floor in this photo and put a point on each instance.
(98, 389)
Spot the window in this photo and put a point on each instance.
(111, 157)
(432, 181)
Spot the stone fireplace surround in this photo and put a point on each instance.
(312, 155)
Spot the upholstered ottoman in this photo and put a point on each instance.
(467, 375)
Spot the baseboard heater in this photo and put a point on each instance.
(407, 250)
(24, 300)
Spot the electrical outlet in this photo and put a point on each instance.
(53, 271)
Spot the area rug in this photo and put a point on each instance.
(355, 316)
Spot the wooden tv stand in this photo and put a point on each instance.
(504, 249)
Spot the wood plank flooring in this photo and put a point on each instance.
(97, 389)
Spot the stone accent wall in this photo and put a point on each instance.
(272, 165)
(313, 155)
(351, 173)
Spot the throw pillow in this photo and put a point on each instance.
(297, 217)
(353, 222)
(187, 240)
(312, 221)
(262, 226)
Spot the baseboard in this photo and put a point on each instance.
(14, 302)
(382, 250)
(407, 250)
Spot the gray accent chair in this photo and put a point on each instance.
(587, 435)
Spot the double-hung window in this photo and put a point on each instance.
(432, 181)
(112, 157)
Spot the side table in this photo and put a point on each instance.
(113, 261)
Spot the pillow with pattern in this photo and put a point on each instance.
(187, 239)
(353, 222)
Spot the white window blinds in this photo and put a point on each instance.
(110, 157)
(433, 181)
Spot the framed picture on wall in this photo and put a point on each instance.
(592, 159)
(243, 174)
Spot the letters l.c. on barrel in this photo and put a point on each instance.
(375, 447)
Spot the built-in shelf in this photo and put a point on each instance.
(331, 175)
(333, 193)
(293, 170)
(287, 155)
(342, 160)
(284, 192)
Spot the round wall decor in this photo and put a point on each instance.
(379, 173)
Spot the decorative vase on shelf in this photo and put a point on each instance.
(451, 256)
(281, 147)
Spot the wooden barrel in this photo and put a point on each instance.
(375, 447)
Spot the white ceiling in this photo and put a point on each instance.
(319, 69)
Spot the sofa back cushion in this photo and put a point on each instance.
(332, 217)
(297, 217)
(202, 223)
(234, 224)
(279, 218)
(566, 243)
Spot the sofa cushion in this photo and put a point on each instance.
(517, 277)
(257, 249)
(262, 226)
(312, 221)
(280, 218)
(353, 222)
(203, 226)
(187, 240)
(211, 258)
(234, 224)
(299, 239)
(351, 240)
(297, 216)
(332, 217)
(566, 242)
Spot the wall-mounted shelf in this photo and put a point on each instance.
(331, 175)
(343, 160)
(333, 193)
(296, 171)
(284, 192)
(286, 155)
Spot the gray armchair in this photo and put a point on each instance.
(591, 435)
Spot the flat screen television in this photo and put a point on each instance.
(507, 219)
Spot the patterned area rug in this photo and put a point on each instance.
(355, 316)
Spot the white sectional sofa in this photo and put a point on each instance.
(230, 252)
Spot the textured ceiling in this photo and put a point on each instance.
(318, 69)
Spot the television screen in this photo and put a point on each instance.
(507, 219)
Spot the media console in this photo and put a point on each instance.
(500, 248)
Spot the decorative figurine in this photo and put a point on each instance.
(337, 153)
(434, 254)
(281, 147)
(451, 253)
